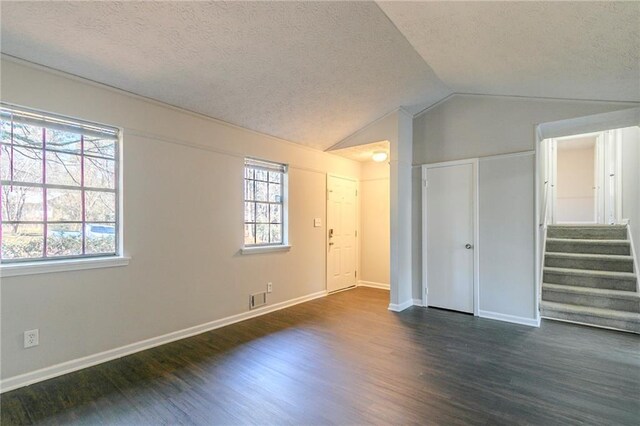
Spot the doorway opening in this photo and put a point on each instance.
(589, 227)
(583, 178)
(358, 212)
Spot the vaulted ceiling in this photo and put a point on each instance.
(315, 72)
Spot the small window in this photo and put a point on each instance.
(265, 211)
(59, 192)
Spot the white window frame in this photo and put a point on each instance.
(284, 205)
(30, 266)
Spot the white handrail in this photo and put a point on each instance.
(543, 218)
(543, 237)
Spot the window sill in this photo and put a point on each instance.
(264, 249)
(52, 266)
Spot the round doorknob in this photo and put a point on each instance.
(468, 246)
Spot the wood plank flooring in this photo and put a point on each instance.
(345, 359)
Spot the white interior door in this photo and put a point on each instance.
(450, 218)
(341, 237)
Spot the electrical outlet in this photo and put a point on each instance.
(269, 287)
(31, 338)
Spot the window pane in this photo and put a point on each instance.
(100, 206)
(63, 141)
(262, 213)
(64, 205)
(248, 173)
(275, 177)
(276, 233)
(262, 234)
(261, 191)
(274, 192)
(99, 173)
(24, 135)
(249, 212)
(27, 164)
(63, 169)
(64, 239)
(99, 147)
(20, 203)
(249, 234)
(100, 238)
(248, 189)
(261, 175)
(275, 215)
(22, 241)
(5, 131)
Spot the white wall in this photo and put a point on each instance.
(374, 223)
(468, 126)
(631, 181)
(183, 216)
(575, 196)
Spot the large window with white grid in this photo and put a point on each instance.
(265, 187)
(60, 187)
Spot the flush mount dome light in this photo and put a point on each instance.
(379, 156)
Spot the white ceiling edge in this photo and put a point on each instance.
(375, 131)
(84, 80)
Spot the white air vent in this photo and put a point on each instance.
(257, 300)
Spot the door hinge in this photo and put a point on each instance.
(355, 274)
(356, 192)
(426, 184)
(356, 232)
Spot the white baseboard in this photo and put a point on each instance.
(91, 360)
(418, 302)
(372, 284)
(510, 318)
(399, 307)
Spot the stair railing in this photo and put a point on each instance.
(545, 201)
(543, 237)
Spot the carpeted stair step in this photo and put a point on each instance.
(591, 279)
(607, 318)
(591, 232)
(574, 245)
(595, 297)
(594, 262)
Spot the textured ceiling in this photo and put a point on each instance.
(578, 50)
(311, 72)
(362, 153)
(316, 72)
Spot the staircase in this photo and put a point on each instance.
(589, 277)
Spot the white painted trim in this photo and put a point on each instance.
(532, 322)
(399, 307)
(417, 302)
(383, 286)
(265, 249)
(591, 123)
(111, 354)
(63, 265)
(476, 225)
(634, 253)
(508, 155)
(532, 98)
(493, 157)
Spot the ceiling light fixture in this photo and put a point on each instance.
(379, 156)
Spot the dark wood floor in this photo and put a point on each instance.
(345, 359)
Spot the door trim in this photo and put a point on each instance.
(476, 228)
(326, 232)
